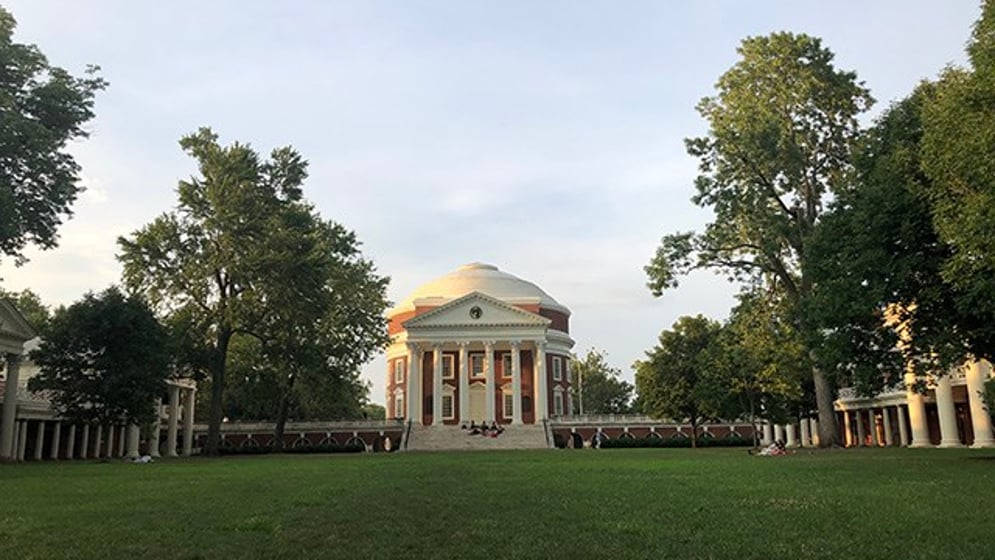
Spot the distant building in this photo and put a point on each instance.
(482, 345)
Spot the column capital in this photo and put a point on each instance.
(463, 343)
(515, 344)
(488, 345)
(412, 346)
(540, 344)
(437, 345)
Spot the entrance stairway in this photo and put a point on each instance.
(449, 438)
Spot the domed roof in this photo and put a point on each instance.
(483, 278)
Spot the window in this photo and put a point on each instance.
(506, 365)
(477, 365)
(398, 405)
(558, 403)
(447, 407)
(399, 371)
(557, 368)
(509, 405)
(447, 366)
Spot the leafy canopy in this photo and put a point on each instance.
(604, 390)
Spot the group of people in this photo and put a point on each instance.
(494, 430)
(773, 450)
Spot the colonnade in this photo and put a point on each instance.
(804, 433)
(414, 391)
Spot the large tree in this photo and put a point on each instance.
(105, 357)
(958, 157)
(780, 134)
(601, 389)
(31, 307)
(682, 377)
(42, 108)
(244, 255)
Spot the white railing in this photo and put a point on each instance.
(310, 426)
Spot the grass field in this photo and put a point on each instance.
(676, 503)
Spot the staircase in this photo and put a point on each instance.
(451, 438)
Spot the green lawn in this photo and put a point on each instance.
(713, 503)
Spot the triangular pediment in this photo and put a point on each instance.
(476, 310)
(14, 329)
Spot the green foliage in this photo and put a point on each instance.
(300, 449)
(674, 442)
(31, 307)
(42, 109)
(989, 397)
(604, 391)
(682, 378)
(104, 358)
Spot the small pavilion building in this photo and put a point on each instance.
(482, 345)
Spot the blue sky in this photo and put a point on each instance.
(546, 138)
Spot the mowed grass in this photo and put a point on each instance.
(676, 503)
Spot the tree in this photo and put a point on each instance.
(604, 390)
(958, 157)
(780, 132)
(31, 307)
(680, 378)
(244, 255)
(764, 360)
(42, 108)
(373, 411)
(104, 358)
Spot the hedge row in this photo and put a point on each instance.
(628, 443)
(263, 450)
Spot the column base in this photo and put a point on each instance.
(950, 444)
(915, 445)
(983, 444)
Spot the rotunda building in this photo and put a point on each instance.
(478, 344)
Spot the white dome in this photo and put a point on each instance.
(483, 278)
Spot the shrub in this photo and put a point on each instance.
(315, 448)
(675, 442)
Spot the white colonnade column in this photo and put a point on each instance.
(917, 413)
(84, 442)
(437, 384)
(540, 385)
(39, 440)
(8, 416)
(413, 393)
(813, 428)
(946, 412)
(768, 437)
(22, 440)
(779, 432)
(861, 432)
(188, 405)
(71, 442)
(464, 382)
(847, 430)
(53, 451)
(889, 439)
(174, 417)
(789, 435)
(490, 381)
(109, 452)
(978, 373)
(872, 425)
(903, 431)
(806, 434)
(121, 441)
(516, 382)
(156, 423)
(132, 449)
(97, 437)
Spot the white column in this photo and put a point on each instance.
(806, 435)
(98, 436)
(120, 441)
(872, 425)
(977, 373)
(53, 451)
(413, 392)
(917, 414)
(71, 442)
(84, 442)
(464, 382)
(779, 432)
(847, 430)
(889, 439)
(39, 440)
(858, 416)
(188, 403)
(174, 417)
(516, 382)
(813, 428)
(22, 440)
(574, 388)
(109, 453)
(540, 384)
(154, 435)
(8, 417)
(133, 435)
(789, 435)
(768, 434)
(437, 384)
(947, 413)
(489, 386)
(903, 431)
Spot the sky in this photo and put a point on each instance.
(543, 137)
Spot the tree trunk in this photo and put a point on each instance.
(694, 434)
(824, 402)
(217, 392)
(281, 414)
(753, 421)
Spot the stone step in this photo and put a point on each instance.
(450, 438)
